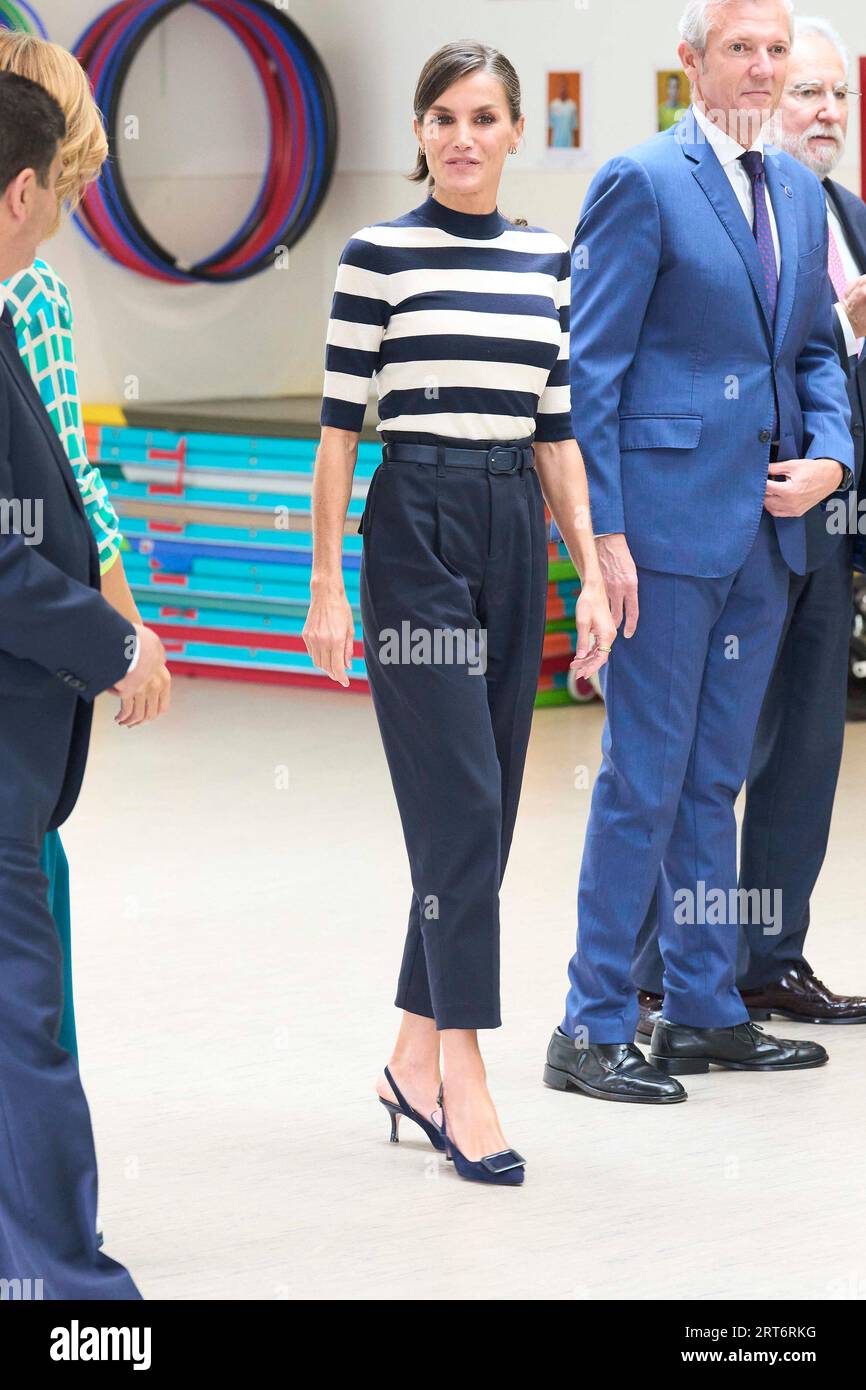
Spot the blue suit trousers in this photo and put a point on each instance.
(683, 696)
(794, 764)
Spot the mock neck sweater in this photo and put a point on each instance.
(461, 319)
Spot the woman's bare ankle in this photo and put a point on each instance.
(418, 1078)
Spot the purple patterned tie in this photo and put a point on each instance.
(753, 163)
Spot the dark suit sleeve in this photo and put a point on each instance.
(822, 384)
(46, 616)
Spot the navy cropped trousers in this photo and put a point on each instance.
(453, 603)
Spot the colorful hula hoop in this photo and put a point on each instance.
(18, 15)
(302, 149)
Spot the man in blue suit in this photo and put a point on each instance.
(60, 645)
(712, 413)
(795, 762)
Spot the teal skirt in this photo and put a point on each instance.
(55, 866)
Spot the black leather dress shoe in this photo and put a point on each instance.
(800, 995)
(610, 1071)
(680, 1050)
(650, 1006)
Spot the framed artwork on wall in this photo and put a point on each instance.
(564, 121)
(672, 97)
(564, 111)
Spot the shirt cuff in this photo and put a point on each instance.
(850, 336)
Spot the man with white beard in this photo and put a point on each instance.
(798, 747)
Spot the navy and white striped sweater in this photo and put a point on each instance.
(461, 318)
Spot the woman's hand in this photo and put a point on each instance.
(329, 633)
(151, 701)
(593, 619)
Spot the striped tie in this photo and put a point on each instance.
(839, 278)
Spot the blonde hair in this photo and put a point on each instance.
(85, 147)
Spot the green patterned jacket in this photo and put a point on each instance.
(41, 311)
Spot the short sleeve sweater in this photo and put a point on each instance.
(462, 319)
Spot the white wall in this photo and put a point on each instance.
(193, 170)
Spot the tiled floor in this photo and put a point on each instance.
(239, 896)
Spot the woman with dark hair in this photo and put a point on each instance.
(461, 316)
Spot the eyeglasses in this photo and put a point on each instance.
(813, 94)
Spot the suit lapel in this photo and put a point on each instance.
(785, 211)
(715, 183)
(21, 378)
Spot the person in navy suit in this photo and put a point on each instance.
(61, 644)
(795, 763)
(712, 413)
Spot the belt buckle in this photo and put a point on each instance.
(497, 451)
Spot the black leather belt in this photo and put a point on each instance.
(499, 458)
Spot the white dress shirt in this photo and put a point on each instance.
(852, 272)
(728, 152)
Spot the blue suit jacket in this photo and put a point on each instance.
(60, 642)
(674, 361)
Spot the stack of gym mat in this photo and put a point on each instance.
(560, 637)
(219, 550)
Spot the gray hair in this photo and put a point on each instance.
(694, 27)
(824, 30)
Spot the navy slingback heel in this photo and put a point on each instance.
(506, 1168)
(404, 1108)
